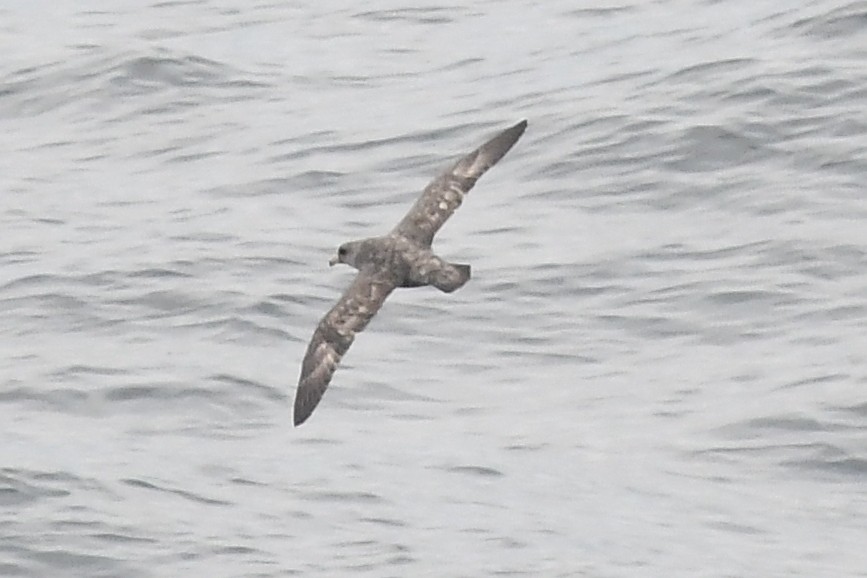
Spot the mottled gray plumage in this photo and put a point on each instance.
(403, 258)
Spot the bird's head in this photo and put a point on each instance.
(346, 253)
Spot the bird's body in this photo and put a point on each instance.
(402, 258)
(406, 263)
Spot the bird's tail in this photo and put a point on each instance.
(450, 277)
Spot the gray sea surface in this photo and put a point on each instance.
(659, 367)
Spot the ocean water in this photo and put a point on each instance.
(659, 367)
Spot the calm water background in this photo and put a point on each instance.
(658, 369)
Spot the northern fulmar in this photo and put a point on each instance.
(402, 258)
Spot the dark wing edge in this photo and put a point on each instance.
(444, 195)
(334, 335)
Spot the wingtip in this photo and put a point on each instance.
(301, 411)
(475, 164)
(299, 418)
(518, 129)
(497, 147)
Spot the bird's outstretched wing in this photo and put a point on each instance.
(445, 194)
(334, 335)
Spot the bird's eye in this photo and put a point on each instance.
(341, 251)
